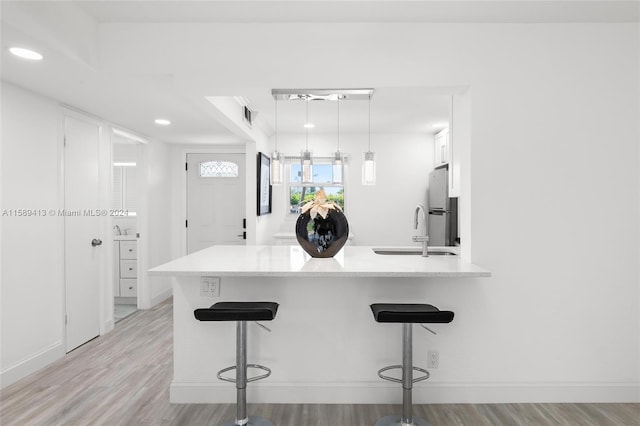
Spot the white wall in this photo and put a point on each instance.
(377, 215)
(268, 224)
(32, 289)
(554, 138)
(156, 238)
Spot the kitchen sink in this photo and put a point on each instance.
(411, 251)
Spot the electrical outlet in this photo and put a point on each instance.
(433, 359)
(210, 286)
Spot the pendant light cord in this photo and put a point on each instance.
(338, 124)
(306, 127)
(276, 124)
(369, 123)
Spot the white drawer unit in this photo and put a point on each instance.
(125, 269)
(128, 268)
(128, 250)
(128, 287)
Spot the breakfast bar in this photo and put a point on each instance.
(324, 346)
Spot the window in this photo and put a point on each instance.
(218, 169)
(300, 193)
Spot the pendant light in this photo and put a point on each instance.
(337, 162)
(369, 161)
(276, 157)
(306, 161)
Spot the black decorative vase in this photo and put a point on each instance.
(322, 237)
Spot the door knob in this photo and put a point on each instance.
(96, 242)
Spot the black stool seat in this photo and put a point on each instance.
(238, 311)
(410, 313)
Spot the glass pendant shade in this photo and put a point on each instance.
(306, 164)
(276, 168)
(369, 159)
(337, 166)
(369, 168)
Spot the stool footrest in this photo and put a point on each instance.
(425, 375)
(250, 379)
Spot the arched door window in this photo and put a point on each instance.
(218, 169)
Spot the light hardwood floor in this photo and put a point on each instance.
(123, 379)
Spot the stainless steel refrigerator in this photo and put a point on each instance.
(442, 209)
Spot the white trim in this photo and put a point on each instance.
(128, 135)
(82, 115)
(105, 268)
(31, 364)
(60, 223)
(109, 320)
(143, 298)
(431, 393)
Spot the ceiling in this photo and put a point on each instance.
(82, 69)
(268, 11)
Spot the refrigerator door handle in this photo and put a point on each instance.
(437, 212)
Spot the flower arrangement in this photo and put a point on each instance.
(319, 206)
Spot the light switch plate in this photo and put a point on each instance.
(210, 286)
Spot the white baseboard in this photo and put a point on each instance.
(107, 327)
(383, 393)
(162, 297)
(31, 364)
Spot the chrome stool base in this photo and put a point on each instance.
(253, 421)
(397, 421)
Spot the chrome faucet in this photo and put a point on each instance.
(117, 229)
(424, 239)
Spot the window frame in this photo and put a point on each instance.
(236, 165)
(316, 160)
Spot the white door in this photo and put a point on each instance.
(82, 242)
(215, 200)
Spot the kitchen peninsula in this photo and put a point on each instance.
(324, 346)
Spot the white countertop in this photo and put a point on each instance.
(124, 237)
(291, 235)
(292, 261)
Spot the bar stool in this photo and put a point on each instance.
(407, 314)
(241, 312)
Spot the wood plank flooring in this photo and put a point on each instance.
(123, 379)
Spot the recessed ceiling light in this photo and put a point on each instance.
(25, 53)
(162, 121)
(309, 126)
(440, 125)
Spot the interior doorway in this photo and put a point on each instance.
(125, 222)
(215, 200)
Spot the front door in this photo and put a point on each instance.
(215, 200)
(82, 243)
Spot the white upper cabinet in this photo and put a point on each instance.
(446, 153)
(442, 150)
